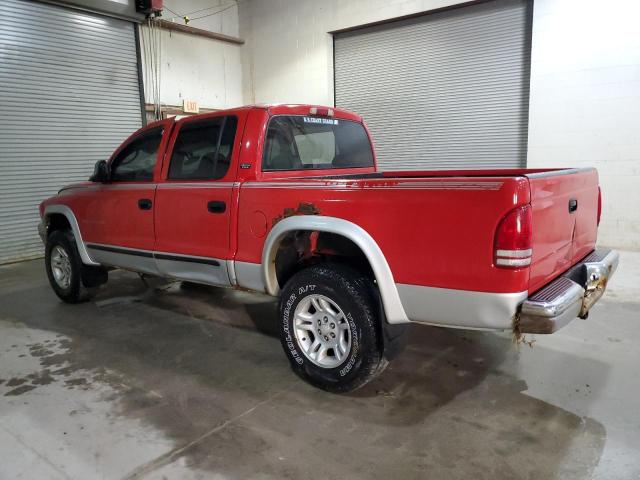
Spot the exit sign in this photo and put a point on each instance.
(190, 106)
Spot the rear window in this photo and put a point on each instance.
(300, 143)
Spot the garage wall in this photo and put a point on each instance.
(585, 81)
(288, 56)
(219, 16)
(585, 102)
(198, 68)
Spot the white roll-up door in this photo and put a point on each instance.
(448, 90)
(69, 94)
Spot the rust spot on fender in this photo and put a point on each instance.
(303, 209)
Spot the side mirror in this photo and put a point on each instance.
(101, 173)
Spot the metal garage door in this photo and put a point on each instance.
(68, 96)
(441, 91)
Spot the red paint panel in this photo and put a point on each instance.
(184, 224)
(110, 215)
(436, 232)
(560, 237)
(117, 218)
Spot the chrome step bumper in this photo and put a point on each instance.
(570, 295)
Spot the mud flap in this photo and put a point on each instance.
(94, 276)
(395, 338)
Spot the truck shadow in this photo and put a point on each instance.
(450, 402)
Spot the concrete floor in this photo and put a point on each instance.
(172, 382)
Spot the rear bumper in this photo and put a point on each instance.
(570, 295)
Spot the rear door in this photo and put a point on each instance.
(565, 221)
(194, 200)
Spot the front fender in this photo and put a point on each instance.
(75, 228)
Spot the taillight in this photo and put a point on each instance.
(513, 239)
(599, 205)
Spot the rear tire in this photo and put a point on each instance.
(330, 329)
(66, 271)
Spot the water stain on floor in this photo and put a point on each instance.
(195, 362)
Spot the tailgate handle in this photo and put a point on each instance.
(216, 206)
(573, 205)
(144, 204)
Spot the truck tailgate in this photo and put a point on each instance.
(565, 210)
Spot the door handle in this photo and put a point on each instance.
(144, 204)
(573, 205)
(216, 206)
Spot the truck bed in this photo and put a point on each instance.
(560, 239)
(436, 228)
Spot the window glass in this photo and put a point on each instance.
(136, 161)
(299, 142)
(316, 146)
(203, 149)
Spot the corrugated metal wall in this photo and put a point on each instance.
(441, 91)
(69, 95)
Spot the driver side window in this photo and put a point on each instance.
(136, 161)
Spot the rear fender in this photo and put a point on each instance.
(394, 311)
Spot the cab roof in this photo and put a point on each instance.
(305, 109)
(281, 109)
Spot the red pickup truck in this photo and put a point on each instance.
(286, 200)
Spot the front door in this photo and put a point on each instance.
(193, 202)
(122, 233)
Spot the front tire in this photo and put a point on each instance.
(65, 269)
(329, 328)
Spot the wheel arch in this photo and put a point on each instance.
(53, 211)
(394, 311)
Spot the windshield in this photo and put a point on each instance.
(298, 143)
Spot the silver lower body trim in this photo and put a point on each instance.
(460, 308)
(231, 270)
(138, 260)
(190, 271)
(206, 270)
(429, 305)
(249, 276)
